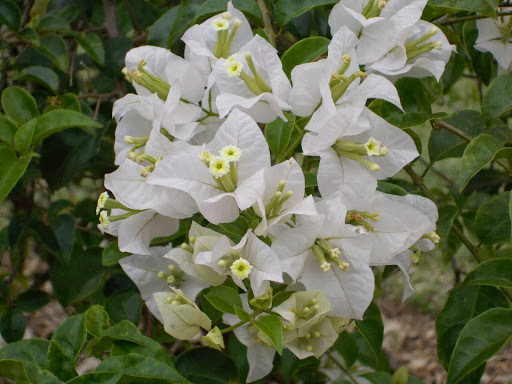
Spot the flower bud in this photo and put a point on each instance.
(214, 339)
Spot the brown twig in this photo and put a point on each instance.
(267, 23)
(110, 22)
(455, 20)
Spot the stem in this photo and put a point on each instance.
(267, 23)
(229, 329)
(456, 20)
(345, 370)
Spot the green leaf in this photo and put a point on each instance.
(347, 347)
(111, 254)
(287, 10)
(13, 168)
(486, 7)
(390, 188)
(479, 153)
(141, 366)
(278, 134)
(242, 315)
(124, 330)
(372, 329)
(479, 340)
(159, 31)
(185, 16)
(28, 350)
(272, 327)
(497, 99)
(65, 346)
(97, 378)
(12, 325)
(150, 348)
(10, 14)
(401, 376)
(495, 272)
(14, 370)
(234, 230)
(207, 366)
(463, 304)
(40, 75)
(54, 48)
(304, 51)
(93, 45)
(7, 131)
(52, 23)
(492, 220)
(96, 320)
(125, 305)
(447, 214)
(23, 136)
(58, 120)
(64, 229)
(224, 298)
(19, 105)
(31, 300)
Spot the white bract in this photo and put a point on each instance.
(495, 36)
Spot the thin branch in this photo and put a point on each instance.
(110, 22)
(267, 23)
(5, 68)
(455, 20)
(345, 370)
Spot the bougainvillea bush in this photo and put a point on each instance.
(263, 176)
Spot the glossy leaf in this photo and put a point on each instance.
(31, 300)
(224, 298)
(159, 31)
(12, 325)
(495, 272)
(492, 220)
(207, 366)
(32, 350)
(447, 214)
(185, 16)
(65, 346)
(54, 48)
(40, 75)
(149, 348)
(10, 14)
(483, 6)
(372, 329)
(93, 45)
(463, 304)
(242, 315)
(24, 135)
(286, 10)
(497, 99)
(111, 254)
(96, 320)
(124, 330)
(64, 229)
(479, 340)
(347, 347)
(304, 51)
(7, 131)
(14, 370)
(483, 63)
(58, 120)
(14, 168)
(278, 134)
(19, 105)
(272, 327)
(479, 153)
(52, 23)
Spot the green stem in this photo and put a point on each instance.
(456, 20)
(345, 370)
(229, 329)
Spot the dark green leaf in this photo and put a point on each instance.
(40, 75)
(65, 346)
(479, 153)
(495, 272)
(96, 320)
(392, 189)
(150, 348)
(347, 347)
(12, 325)
(111, 254)
(447, 214)
(52, 23)
(482, 63)
(207, 366)
(19, 105)
(14, 370)
(97, 378)
(304, 51)
(14, 168)
(235, 230)
(93, 45)
(159, 31)
(23, 136)
(286, 10)
(141, 366)
(224, 298)
(372, 329)
(10, 14)
(492, 220)
(497, 99)
(278, 134)
(58, 120)
(242, 315)
(272, 327)
(123, 330)
(64, 229)
(7, 131)
(31, 300)
(486, 7)
(125, 305)
(481, 338)
(29, 350)
(462, 305)
(185, 16)
(54, 48)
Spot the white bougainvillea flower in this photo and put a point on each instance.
(393, 223)
(218, 195)
(380, 25)
(350, 166)
(253, 81)
(156, 70)
(322, 254)
(154, 273)
(250, 259)
(219, 36)
(280, 195)
(425, 52)
(201, 240)
(136, 229)
(495, 36)
(259, 354)
(182, 318)
(315, 342)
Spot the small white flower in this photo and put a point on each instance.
(372, 147)
(231, 153)
(234, 68)
(104, 221)
(206, 157)
(219, 166)
(220, 24)
(101, 201)
(241, 268)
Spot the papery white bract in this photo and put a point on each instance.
(495, 36)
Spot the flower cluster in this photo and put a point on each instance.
(192, 155)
